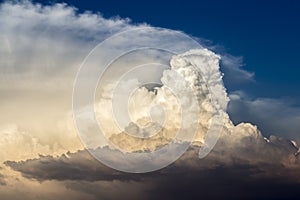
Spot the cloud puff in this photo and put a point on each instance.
(197, 70)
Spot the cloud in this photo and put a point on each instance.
(41, 49)
(232, 66)
(272, 116)
(70, 166)
(233, 183)
(18, 188)
(239, 167)
(234, 74)
(196, 70)
(244, 146)
(19, 145)
(115, 189)
(48, 41)
(2, 180)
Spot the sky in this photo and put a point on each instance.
(264, 33)
(227, 135)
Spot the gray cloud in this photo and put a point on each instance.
(227, 172)
(133, 190)
(230, 183)
(71, 166)
(249, 149)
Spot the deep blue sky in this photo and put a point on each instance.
(265, 33)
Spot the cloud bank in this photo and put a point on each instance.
(246, 163)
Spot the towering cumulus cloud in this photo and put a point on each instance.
(200, 69)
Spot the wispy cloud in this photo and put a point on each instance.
(232, 67)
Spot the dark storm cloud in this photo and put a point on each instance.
(252, 152)
(71, 166)
(223, 183)
(238, 182)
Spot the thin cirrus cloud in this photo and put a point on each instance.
(234, 74)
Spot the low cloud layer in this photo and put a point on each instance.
(244, 146)
(80, 166)
(246, 162)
